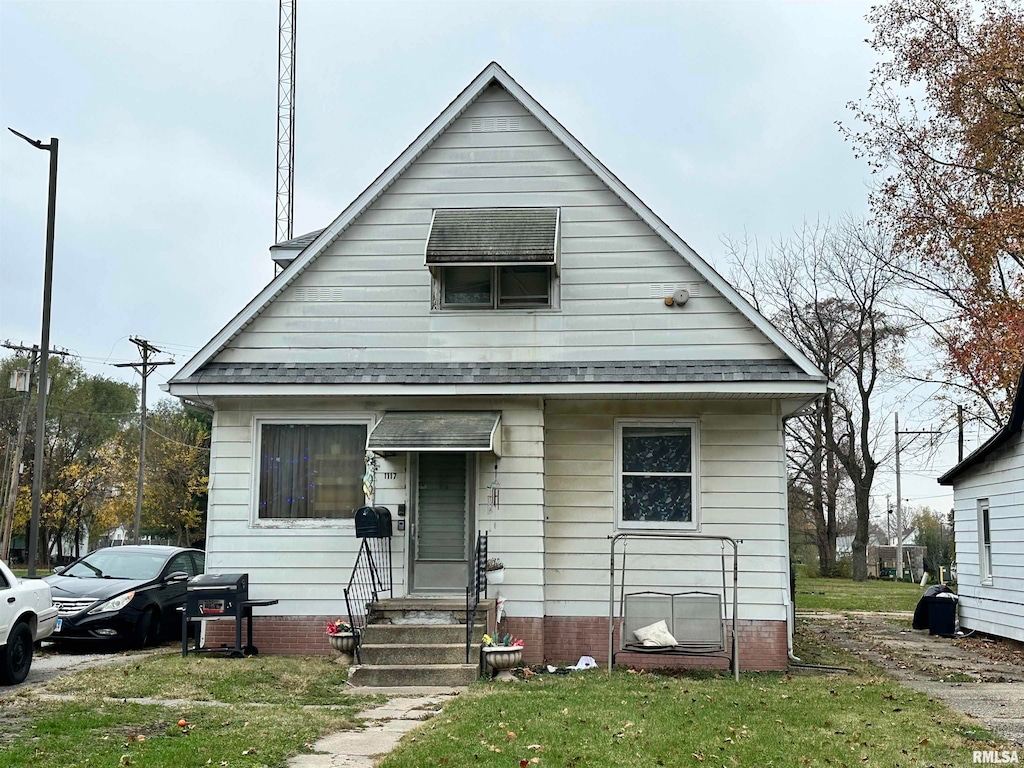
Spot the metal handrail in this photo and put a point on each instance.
(371, 577)
(476, 583)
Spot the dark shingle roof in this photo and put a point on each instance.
(298, 243)
(682, 371)
(492, 235)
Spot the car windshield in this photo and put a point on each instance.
(117, 564)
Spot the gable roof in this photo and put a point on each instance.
(491, 74)
(1012, 427)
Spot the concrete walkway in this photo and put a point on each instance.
(387, 724)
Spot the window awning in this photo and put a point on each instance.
(493, 237)
(415, 431)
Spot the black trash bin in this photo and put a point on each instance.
(942, 616)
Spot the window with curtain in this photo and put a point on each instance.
(657, 475)
(311, 470)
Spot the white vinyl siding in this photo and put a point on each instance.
(614, 270)
(742, 495)
(306, 564)
(995, 606)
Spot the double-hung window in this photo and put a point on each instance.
(984, 542)
(310, 470)
(494, 258)
(657, 474)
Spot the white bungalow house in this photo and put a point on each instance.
(988, 525)
(527, 350)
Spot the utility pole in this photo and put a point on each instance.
(143, 368)
(44, 345)
(899, 497)
(7, 529)
(959, 434)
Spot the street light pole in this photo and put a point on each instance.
(44, 351)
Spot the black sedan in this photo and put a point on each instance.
(129, 593)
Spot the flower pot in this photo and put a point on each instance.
(502, 659)
(343, 641)
(495, 577)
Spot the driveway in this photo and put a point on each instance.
(52, 662)
(979, 676)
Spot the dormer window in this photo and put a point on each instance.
(494, 258)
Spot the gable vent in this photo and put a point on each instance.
(661, 290)
(494, 124)
(318, 293)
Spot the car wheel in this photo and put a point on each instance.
(17, 656)
(147, 629)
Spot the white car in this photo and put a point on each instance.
(27, 616)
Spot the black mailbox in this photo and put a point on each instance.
(373, 523)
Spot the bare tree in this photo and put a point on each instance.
(836, 302)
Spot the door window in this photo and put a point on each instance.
(443, 500)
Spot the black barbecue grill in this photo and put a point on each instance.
(221, 596)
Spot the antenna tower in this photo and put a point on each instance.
(285, 120)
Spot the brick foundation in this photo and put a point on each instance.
(763, 645)
(553, 639)
(304, 635)
(532, 633)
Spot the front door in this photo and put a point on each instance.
(442, 521)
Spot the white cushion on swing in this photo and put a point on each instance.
(655, 635)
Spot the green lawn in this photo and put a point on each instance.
(849, 595)
(93, 732)
(293, 680)
(586, 720)
(91, 729)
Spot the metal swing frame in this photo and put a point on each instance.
(675, 602)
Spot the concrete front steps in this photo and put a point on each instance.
(420, 641)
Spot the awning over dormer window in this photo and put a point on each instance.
(493, 237)
(416, 431)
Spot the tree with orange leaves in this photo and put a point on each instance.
(943, 127)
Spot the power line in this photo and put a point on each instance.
(143, 368)
(172, 440)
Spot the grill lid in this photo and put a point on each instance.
(238, 582)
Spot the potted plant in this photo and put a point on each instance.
(341, 636)
(494, 571)
(503, 655)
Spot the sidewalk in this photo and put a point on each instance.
(388, 722)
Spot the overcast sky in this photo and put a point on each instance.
(719, 115)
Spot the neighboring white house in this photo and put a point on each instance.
(498, 311)
(988, 524)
